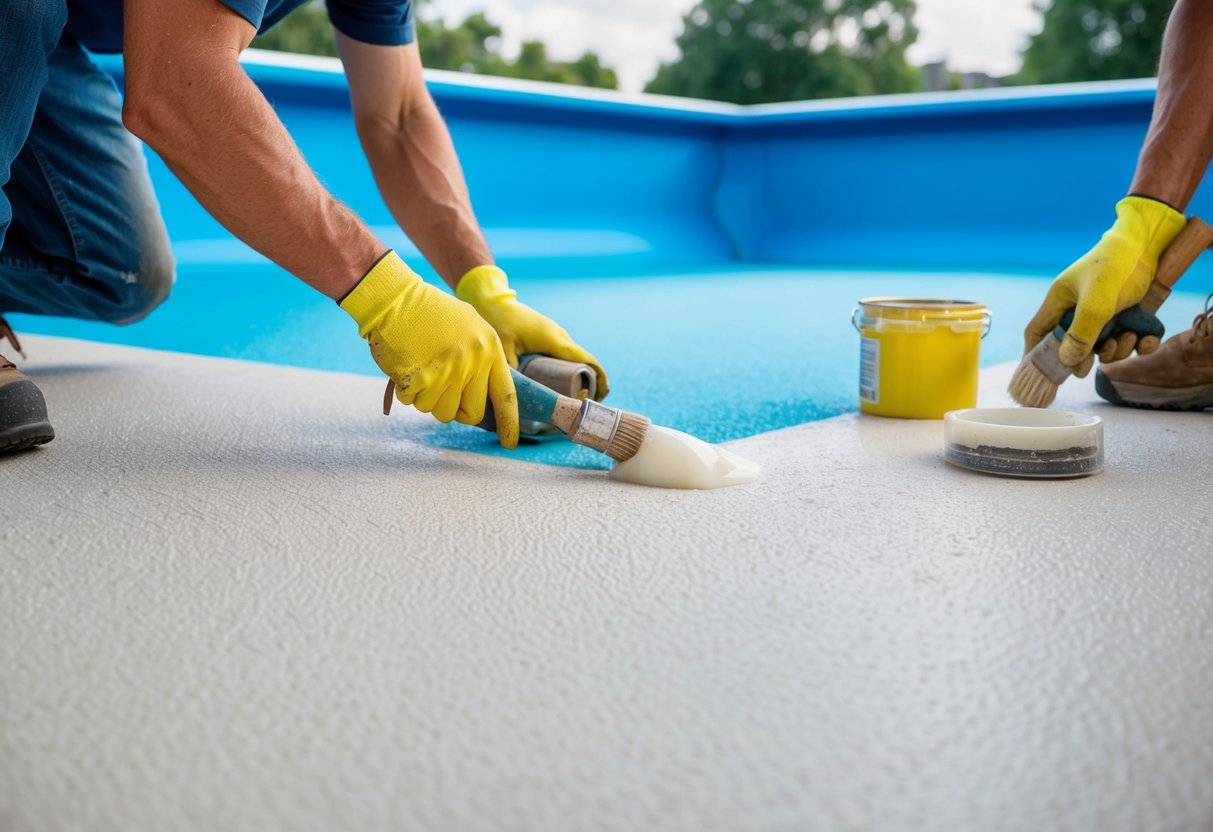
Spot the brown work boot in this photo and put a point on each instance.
(1176, 376)
(23, 420)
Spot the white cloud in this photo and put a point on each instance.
(635, 36)
(631, 36)
(974, 35)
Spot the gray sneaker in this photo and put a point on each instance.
(1176, 376)
(23, 419)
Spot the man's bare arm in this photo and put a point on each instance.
(1178, 147)
(189, 99)
(410, 151)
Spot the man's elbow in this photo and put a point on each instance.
(420, 105)
(396, 122)
(158, 107)
(148, 116)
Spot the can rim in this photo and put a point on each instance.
(924, 304)
(878, 314)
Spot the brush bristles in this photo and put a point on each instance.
(1040, 373)
(1030, 386)
(629, 436)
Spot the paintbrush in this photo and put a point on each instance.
(1041, 372)
(609, 430)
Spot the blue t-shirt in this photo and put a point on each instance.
(97, 24)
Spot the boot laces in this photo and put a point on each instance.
(1202, 324)
(6, 332)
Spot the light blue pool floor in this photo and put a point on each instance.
(720, 354)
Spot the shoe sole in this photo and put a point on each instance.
(29, 435)
(1146, 397)
(26, 423)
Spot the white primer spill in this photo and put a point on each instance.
(673, 459)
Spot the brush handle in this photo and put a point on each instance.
(1195, 237)
(535, 401)
(584, 421)
(539, 404)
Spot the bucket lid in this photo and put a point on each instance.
(921, 314)
(921, 309)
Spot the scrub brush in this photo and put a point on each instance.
(609, 430)
(1041, 372)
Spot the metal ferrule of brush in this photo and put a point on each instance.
(1047, 357)
(596, 426)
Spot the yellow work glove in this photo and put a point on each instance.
(523, 331)
(1111, 277)
(444, 358)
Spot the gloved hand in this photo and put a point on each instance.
(1132, 327)
(1113, 276)
(522, 329)
(444, 358)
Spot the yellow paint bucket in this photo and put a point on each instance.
(918, 359)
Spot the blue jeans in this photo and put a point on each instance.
(80, 230)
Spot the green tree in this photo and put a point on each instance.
(469, 47)
(533, 64)
(1095, 40)
(588, 71)
(305, 30)
(472, 46)
(756, 51)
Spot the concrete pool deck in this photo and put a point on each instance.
(235, 596)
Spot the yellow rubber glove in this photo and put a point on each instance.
(1108, 279)
(522, 330)
(445, 359)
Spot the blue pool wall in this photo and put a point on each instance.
(1017, 179)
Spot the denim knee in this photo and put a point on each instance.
(122, 289)
(145, 286)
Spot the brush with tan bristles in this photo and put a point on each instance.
(1041, 372)
(609, 430)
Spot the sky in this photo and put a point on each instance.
(635, 36)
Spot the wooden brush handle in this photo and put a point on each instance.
(1195, 237)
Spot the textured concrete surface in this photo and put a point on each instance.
(233, 596)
